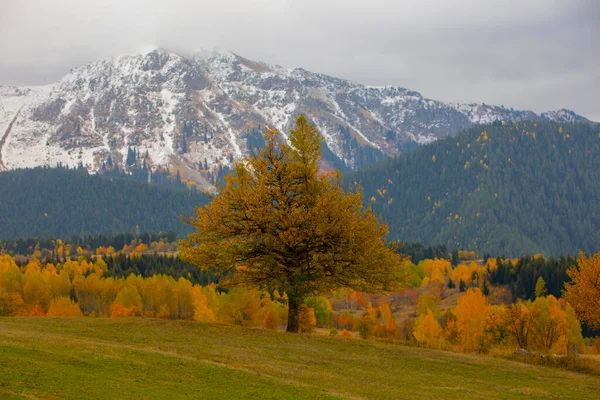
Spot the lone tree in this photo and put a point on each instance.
(278, 224)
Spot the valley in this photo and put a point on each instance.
(299, 200)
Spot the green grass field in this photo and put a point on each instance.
(84, 358)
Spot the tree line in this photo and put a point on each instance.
(48, 246)
(74, 289)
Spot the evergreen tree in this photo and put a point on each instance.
(455, 259)
(130, 160)
(485, 289)
(278, 224)
(184, 146)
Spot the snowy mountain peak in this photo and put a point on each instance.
(201, 111)
(563, 115)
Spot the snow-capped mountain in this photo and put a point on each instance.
(206, 110)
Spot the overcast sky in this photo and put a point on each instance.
(529, 54)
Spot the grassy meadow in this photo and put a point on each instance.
(87, 358)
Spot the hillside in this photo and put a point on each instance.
(517, 189)
(508, 189)
(203, 110)
(59, 203)
(155, 359)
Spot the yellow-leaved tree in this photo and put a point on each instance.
(279, 224)
(428, 329)
(472, 313)
(583, 292)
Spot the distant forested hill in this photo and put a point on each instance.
(58, 203)
(504, 189)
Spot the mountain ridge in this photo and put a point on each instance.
(202, 108)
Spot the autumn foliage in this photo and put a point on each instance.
(278, 223)
(270, 320)
(345, 334)
(307, 320)
(584, 289)
(64, 307)
(472, 313)
(76, 288)
(427, 329)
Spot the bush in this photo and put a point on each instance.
(11, 304)
(364, 326)
(271, 320)
(570, 362)
(64, 307)
(306, 319)
(119, 311)
(322, 309)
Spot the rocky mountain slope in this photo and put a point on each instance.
(206, 110)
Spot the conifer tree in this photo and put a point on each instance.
(485, 289)
(279, 224)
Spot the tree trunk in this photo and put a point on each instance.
(293, 313)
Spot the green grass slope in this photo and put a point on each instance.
(517, 189)
(153, 359)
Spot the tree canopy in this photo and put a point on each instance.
(280, 224)
(584, 289)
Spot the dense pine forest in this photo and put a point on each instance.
(509, 189)
(60, 203)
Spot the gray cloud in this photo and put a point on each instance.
(534, 54)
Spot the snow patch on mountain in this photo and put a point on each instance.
(201, 108)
